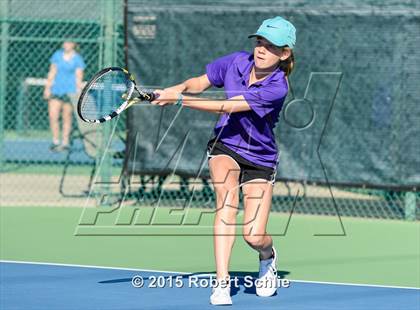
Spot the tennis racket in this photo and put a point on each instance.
(111, 91)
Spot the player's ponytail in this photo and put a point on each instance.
(288, 64)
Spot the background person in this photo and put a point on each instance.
(64, 81)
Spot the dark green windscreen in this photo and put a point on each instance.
(353, 113)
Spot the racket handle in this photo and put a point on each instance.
(153, 96)
(143, 96)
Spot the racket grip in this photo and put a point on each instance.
(153, 96)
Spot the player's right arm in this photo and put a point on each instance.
(195, 85)
(50, 78)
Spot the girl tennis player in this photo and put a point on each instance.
(243, 152)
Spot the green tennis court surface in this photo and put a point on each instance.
(372, 251)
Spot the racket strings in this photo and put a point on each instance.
(107, 95)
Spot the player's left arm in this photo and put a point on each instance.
(232, 105)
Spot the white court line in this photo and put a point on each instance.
(198, 275)
(357, 284)
(91, 266)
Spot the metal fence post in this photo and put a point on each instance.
(410, 206)
(4, 9)
(104, 158)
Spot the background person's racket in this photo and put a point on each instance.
(108, 93)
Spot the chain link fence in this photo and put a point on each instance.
(32, 175)
(31, 31)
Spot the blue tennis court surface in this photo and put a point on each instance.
(44, 286)
(37, 150)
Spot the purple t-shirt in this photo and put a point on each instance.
(249, 134)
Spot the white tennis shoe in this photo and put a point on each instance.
(266, 284)
(221, 294)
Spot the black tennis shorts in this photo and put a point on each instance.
(249, 171)
(64, 98)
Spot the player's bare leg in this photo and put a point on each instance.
(54, 108)
(67, 119)
(257, 205)
(224, 173)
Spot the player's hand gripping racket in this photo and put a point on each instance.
(108, 93)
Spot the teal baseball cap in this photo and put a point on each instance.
(278, 31)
